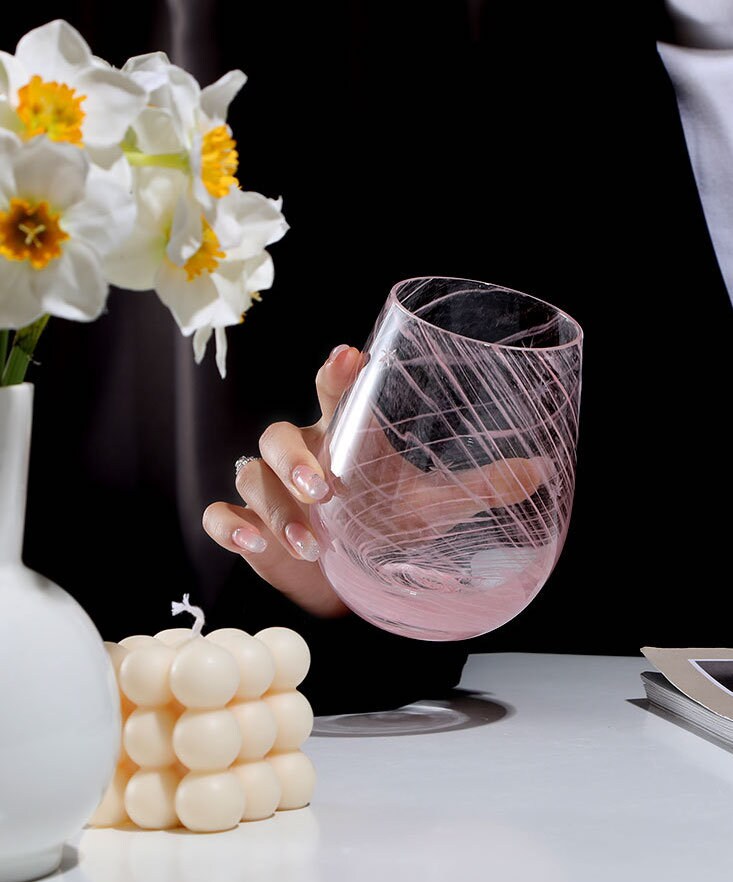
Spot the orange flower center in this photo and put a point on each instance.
(52, 109)
(30, 232)
(209, 253)
(219, 161)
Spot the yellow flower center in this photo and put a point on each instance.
(52, 109)
(207, 258)
(219, 160)
(30, 232)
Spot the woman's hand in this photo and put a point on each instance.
(272, 532)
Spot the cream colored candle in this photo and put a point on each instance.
(258, 727)
(203, 674)
(117, 654)
(138, 641)
(262, 789)
(206, 740)
(293, 718)
(256, 665)
(297, 778)
(211, 727)
(144, 675)
(210, 801)
(291, 656)
(150, 798)
(174, 636)
(111, 810)
(148, 736)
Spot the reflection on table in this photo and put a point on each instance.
(281, 848)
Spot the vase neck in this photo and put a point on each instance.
(16, 408)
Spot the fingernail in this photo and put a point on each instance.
(336, 351)
(249, 540)
(303, 541)
(310, 482)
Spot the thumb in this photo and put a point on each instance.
(334, 377)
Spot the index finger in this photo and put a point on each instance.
(334, 377)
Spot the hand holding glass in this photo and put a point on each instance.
(451, 460)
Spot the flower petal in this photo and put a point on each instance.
(260, 272)
(72, 286)
(55, 172)
(113, 102)
(187, 300)
(105, 216)
(158, 191)
(169, 88)
(12, 76)
(9, 149)
(246, 222)
(157, 131)
(186, 232)
(56, 51)
(149, 70)
(200, 339)
(199, 193)
(9, 119)
(221, 351)
(230, 280)
(18, 303)
(108, 157)
(149, 61)
(216, 98)
(135, 263)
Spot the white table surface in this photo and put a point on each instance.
(549, 774)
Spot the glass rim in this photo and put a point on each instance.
(576, 341)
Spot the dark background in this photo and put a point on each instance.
(533, 145)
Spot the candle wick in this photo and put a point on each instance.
(195, 611)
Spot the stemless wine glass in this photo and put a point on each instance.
(451, 459)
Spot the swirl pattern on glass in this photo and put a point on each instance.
(452, 460)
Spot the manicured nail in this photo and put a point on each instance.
(303, 541)
(310, 482)
(336, 351)
(249, 540)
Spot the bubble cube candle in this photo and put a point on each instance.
(211, 728)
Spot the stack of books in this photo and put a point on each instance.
(695, 685)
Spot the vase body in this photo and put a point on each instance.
(452, 460)
(59, 704)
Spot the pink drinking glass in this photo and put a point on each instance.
(451, 459)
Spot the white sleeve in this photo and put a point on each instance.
(700, 65)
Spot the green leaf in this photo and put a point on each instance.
(21, 354)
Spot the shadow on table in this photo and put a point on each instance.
(69, 859)
(461, 710)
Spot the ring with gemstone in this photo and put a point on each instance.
(241, 462)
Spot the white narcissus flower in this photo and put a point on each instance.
(54, 86)
(185, 126)
(258, 275)
(59, 217)
(215, 286)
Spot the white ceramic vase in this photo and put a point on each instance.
(59, 704)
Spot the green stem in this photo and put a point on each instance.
(161, 160)
(21, 354)
(4, 338)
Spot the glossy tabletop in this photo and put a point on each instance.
(546, 768)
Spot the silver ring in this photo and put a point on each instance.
(242, 462)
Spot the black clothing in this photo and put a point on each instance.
(453, 138)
